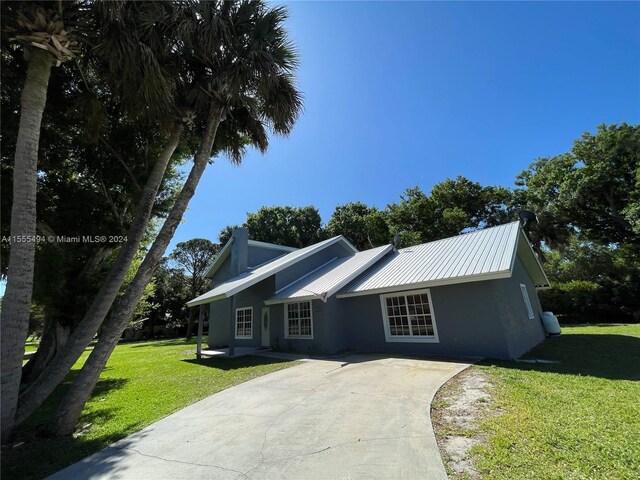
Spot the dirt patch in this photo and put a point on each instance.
(456, 412)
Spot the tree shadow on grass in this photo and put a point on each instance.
(614, 357)
(226, 363)
(42, 455)
(173, 342)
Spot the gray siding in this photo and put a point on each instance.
(486, 318)
(223, 273)
(253, 297)
(468, 324)
(303, 267)
(521, 332)
(323, 336)
(260, 255)
(223, 317)
(219, 325)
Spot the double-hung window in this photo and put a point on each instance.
(408, 317)
(298, 322)
(244, 322)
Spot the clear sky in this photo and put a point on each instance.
(399, 94)
(403, 94)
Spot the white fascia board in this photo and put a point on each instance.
(252, 280)
(431, 283)
(258, 278)
(222, 255)
(201, 301)
(526, 240)
(349, 244)
(305, 275)
(514, 252)
(271, 246)
(278, 301)
(360, 270)
(333, 290)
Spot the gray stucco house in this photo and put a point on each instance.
(469, 295)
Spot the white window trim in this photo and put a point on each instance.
(286, 322)
(527, 301)
(243, 337)
(408, 339)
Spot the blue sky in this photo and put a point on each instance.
(399, 94)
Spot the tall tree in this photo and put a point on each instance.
(588, 201)
(225, 234)
(45, 42)
(365, 227)
(251, 86)
(170, 296)
(452, 207)
(77, 183)
(593, 190)
(194, 256)
(290, 226)
(123, 23)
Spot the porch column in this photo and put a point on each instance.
(200, 328)
(232, 328)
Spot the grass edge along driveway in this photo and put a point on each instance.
(142, 383)
(576, 419)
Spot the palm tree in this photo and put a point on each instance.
(134, 55)
(249, 86)
(42, 34)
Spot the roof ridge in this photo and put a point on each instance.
(462, 234)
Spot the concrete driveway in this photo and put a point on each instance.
(360, 417)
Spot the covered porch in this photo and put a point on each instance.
(231, 347)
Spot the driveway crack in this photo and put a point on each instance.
(273, 422)
(182, 461)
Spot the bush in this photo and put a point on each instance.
(580, 301)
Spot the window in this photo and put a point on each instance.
(298, 320)
(408, 317)
(244, 322)
(527, 302)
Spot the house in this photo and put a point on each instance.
(469, 295)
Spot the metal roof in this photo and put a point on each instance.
(480, 255)
(330, 277)
(251, 277)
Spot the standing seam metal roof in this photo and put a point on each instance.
(483, 253)
(251, 277)
(330, 277)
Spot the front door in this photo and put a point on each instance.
(264, 321)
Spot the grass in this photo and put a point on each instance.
(142, 382)
(578, 419)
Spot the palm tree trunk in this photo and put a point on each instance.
(55, 334)
(16, 303)
(41, 388)
(68, 413)
(54, 337)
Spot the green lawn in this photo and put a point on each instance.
(578, 419)
(143, 382)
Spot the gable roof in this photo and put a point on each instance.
(481, 255)
(251, 277)
(219, 259)
(329, 278)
